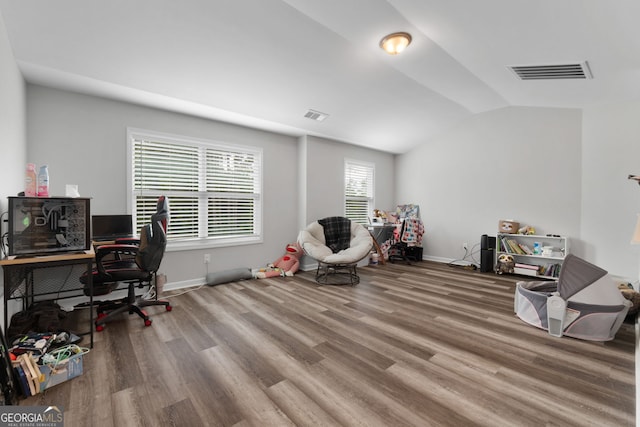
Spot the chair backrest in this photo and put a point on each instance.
(153, 242)
(153, 238)
(412, 231)
(162, 212)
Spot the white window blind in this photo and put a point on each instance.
(214, 190)
(359, 190)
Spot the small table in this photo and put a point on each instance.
(18, 273)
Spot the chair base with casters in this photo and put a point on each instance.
(337, 274)
(107, 310)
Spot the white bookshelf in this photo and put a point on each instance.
(548, 261)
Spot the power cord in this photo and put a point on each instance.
(464, 261)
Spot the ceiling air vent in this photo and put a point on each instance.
(315, 115)
(553, 72)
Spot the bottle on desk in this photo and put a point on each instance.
(43, 181)
(30, 181)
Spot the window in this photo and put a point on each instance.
(214, 189)
(358, 190)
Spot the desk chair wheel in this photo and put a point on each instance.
(100, 327)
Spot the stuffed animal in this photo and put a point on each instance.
(286, 265)
(527, 229)
(505, 264)
(377, 213)
(629, 293)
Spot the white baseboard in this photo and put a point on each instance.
(446, 260)
(173, 286)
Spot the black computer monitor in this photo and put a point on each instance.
(111, 227)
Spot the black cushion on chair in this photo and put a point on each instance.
(337, 232)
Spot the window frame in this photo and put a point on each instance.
(370, 200)
(202, 241)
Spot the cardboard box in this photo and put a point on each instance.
(71, 368)
(508, 226)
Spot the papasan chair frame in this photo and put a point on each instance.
(349, 243)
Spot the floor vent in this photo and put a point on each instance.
(316, 115)
(553, 72)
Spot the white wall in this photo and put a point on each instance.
(322, 186)
(610, 202)
(324, 165)
(514, 163)
(13, 145)
(83, 140)
(13, 137)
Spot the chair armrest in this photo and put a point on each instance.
(128, 241)
(116, 250)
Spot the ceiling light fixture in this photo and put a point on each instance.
(395, 43)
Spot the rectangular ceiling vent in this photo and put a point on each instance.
(315, 115)
(553, 72)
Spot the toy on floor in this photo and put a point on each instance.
(505, 264)
(629, 293)
(286, 265)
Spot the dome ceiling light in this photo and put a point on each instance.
(395, 43)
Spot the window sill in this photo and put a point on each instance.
(187, 245)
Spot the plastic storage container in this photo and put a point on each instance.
(43, 181)
(31, 181)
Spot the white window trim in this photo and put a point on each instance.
(195, 243)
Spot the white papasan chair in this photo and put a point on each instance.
(348, 243)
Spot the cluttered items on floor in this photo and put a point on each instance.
(43, 360)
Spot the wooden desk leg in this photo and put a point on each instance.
(90, 283)
(378, 249)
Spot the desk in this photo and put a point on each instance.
(19, 279)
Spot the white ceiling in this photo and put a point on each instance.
(263, 63)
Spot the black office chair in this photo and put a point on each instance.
(135, 262)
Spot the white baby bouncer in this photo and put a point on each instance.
(585, 303)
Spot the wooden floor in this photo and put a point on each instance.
(416, 345)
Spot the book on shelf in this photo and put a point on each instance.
(527, 250)
(527, 266)
(550, 270)
(504, 245)
(525, 271)
(513, 247)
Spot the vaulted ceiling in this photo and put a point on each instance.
(264, 63)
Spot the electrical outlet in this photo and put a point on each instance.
(207, 258)
(465, 246)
